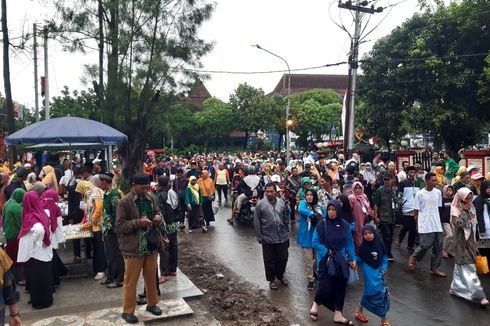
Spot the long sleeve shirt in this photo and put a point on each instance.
(271, 221)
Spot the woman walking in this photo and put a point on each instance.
(208, 191)
(310, 214)
(466, 283)
(332, 241)
(361, 210)
(447, 198)
(222, 179)
(193, 200)
(35, 250)
(12, 223)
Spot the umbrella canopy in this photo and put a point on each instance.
(70, 130)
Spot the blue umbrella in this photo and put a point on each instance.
(70, 130)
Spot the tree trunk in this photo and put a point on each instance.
(132, 153)
(100, 92)
(6, 80)
(112, 63)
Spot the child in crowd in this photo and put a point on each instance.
(373, 259)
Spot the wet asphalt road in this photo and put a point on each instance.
(417, 298)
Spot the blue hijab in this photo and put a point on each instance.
(372, 252)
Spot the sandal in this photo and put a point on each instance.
(77, 259)
(385, 323)
(163, 279)
(360, 316)
(230, 221)
(273, 285)
(313, 315)
(345, 322)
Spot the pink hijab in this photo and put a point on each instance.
(33, 213)
(362, 197)
(49, 199)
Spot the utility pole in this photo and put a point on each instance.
(46, 75)
(36, 86)
(358, 8)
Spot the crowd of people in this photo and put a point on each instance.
(346, 211)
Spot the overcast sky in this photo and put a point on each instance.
(300, 31)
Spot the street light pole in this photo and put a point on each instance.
(288, 107)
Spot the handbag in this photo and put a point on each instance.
(153, 239)
(481, 263)
(331, 268)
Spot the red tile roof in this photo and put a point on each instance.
(305, 82)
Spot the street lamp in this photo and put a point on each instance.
(289, 99)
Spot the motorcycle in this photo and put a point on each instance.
(246, 214)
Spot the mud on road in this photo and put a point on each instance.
(230, 300)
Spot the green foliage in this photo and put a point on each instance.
(216, 119)
(250, 109)
(428, 75)
(76, 104)
(316, 112)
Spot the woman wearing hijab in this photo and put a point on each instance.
(441, 180)
(333, 243)
(361, 209)
(193, 201)
(12, 222)
(373, 259)
(93, 201)
(49, 178)
(346, 211)
(49, 199)
(370, 178)
(35, 250)
(466, 283)
(310, 213)
(4, 181)
(208, 191)
(482, 207)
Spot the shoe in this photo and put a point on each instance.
(391, 258)
(106, 282)
(284, 281)
(99, 276)
(182, 226)
(204, 229)
(114, 285)
(484, 302)
(154, 310)
(398, 243)
(141, 301)
(230, 221)
(163, 279)
(311, 285)
(438, 274)
(21, 282)
(130, 318)
(190, 231)
(142, 295)
(412, 263)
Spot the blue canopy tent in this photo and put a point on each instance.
(71, 131)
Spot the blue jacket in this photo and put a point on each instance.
(304, 236)
(322, 250)
(373, 280)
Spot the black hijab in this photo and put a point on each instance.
(372, 252)
(346, 212)
(333, 232)
(483, 189)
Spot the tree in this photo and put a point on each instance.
(215, 121)
(250, 109)
(81, 104)
(315, 112)
(6, 77)
(428, 74)
(149, 46)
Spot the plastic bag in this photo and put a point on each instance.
(353, 276)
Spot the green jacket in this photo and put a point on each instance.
(111, 198)
(190, 199)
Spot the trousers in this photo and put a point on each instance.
(430, 240)
(275, 259)
(133, 267)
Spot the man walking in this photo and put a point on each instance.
(427, 203)
(271, 224)
(407, 190)
(115, 261)
(137, 213)
(383, 211)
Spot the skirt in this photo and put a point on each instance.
(466, 283)
(331, 291)
(378, 303)
(39, 276)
